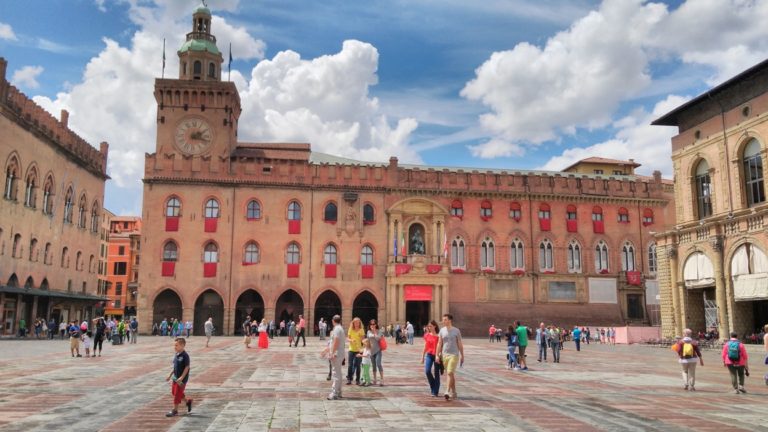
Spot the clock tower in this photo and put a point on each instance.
(197, 113)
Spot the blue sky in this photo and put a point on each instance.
(499, 83)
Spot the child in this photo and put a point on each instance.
(87, 343)
(180, 376)
(366, 355)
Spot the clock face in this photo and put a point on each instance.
(193, 136)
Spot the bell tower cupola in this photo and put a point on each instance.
(199, 58)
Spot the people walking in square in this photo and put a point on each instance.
(378, 345)
(355, 336)
(522, 344)
(512, 357)
(62, 329)
(577, 337)
(179, 377)
(300, 329)
(291, 333)
(688, 354)
(134, 325)
(321, 327)
(98, 338)
(542, 341)
(450, 351)
(735, 358)
(263, 338)
(87, 341)
(556, 343)
(491, 333)
(336, 355)
(429, 358)
(409, 332)
(208, 328)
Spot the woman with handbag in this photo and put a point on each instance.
(432, 368)
(378, 346)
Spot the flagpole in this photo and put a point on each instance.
(163, 73)
(229, 66)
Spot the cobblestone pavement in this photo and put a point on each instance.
(621, 388)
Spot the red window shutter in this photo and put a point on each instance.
(544, 207)
(209, 270)
(456, 204)
(293, 270)
(330, 271)
(486, 204)
(294, 226)
(572, 225)
(571, 208)
(367, 271)
(172, 223)
(545, 224)
(211, 224)
(169, 268)
(514, 206)
(598, 227)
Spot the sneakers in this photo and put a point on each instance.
(736, 391)
(685, 387)
(742, 389)
(172, 413)
(189, 405)
(349, 382)
(447, 396)
(691, 388)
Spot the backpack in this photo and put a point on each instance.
(734, 354)
(687, 351)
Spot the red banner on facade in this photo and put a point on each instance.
(367, 271)
(209, 269)
(330, 271)
(294, 227)
(634, 278)
(572, 225)
(172, 223)
(598, 227)
(293, 270)
(434, 268)
(418, 293)
(401, 269)
(169, 268)
(211, 224)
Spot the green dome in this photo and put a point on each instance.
(199, 45)
(203, 10)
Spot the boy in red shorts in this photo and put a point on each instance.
(180, 376)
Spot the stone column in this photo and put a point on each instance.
(720, 297)
(346, 317)
(34, 308)
(674, 290)
(2, 313)
(229, 319)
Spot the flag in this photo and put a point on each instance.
(395, 247)
(403, 243)
(445, 245)
(163, 74)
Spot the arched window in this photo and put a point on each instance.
(69, 203)
(703, 190)
(211, 253)
(628, 257)
(457, 208)
(597, 213)
(47, 254)
(647, 217)
(294, 210)
(48, 196)
(79, 261)
(292, 254)
(601, 257)
(516, 255)
(571, 224)
(753, 173)
(330, 214)
(329, 254)
(515, 211)
(487, 254)
(90, 264)
(366, 255)
(11, 179)
(95, 217)
(30, 190)
(197, 69)
(212, 208)
(457, 253)
(545, 217)
(170, 251)
(172, 207)
(486, 210)
(81, 212)
(652, 260)
(211, 70)
(33, 250)
(16, 251)
(574, 257)
(570, 212)
(623, 215)
(369, 215)
(251, 255)
(253, 210)
(65, 257)
(546, 256)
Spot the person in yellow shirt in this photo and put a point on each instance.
(355, 336)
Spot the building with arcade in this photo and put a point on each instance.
(275, 230)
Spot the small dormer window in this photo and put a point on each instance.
(211, 70)
(197, 69)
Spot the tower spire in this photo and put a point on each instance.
(199, 57)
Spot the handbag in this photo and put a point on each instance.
(383, 344)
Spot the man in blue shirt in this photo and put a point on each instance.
(577, 337)
(74, 339)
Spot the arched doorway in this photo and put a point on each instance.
(326, 306)
(250, 303)
(167, 305)
(289, 306)
(366, 307)
(209, 305)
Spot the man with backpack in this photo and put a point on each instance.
(134, 329)
(689, 354)
(735, 359)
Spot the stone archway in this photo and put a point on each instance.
(366, 307)
(289, 306)
(327, 305)
(209, 305)
(166, 305)
(250, 303)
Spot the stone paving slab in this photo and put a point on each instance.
(601, 388)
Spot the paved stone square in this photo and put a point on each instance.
(610, 388)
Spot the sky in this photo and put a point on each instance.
(514, 84)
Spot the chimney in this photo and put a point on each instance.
(657, 176)
(104, 150)
(65, 118)
(392, 162)
(3, 81)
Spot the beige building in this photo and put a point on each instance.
(714, 264)
(603, 166)
(50, 214)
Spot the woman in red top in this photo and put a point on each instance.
(735, 359)
(431, 368)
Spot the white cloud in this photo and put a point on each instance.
(6, 32)
(27, 77)
(100, 5)
(581, 76)
(635, 138)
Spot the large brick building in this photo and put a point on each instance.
(234, 228)
(715, 271)
(123, 258)
(49, 214)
